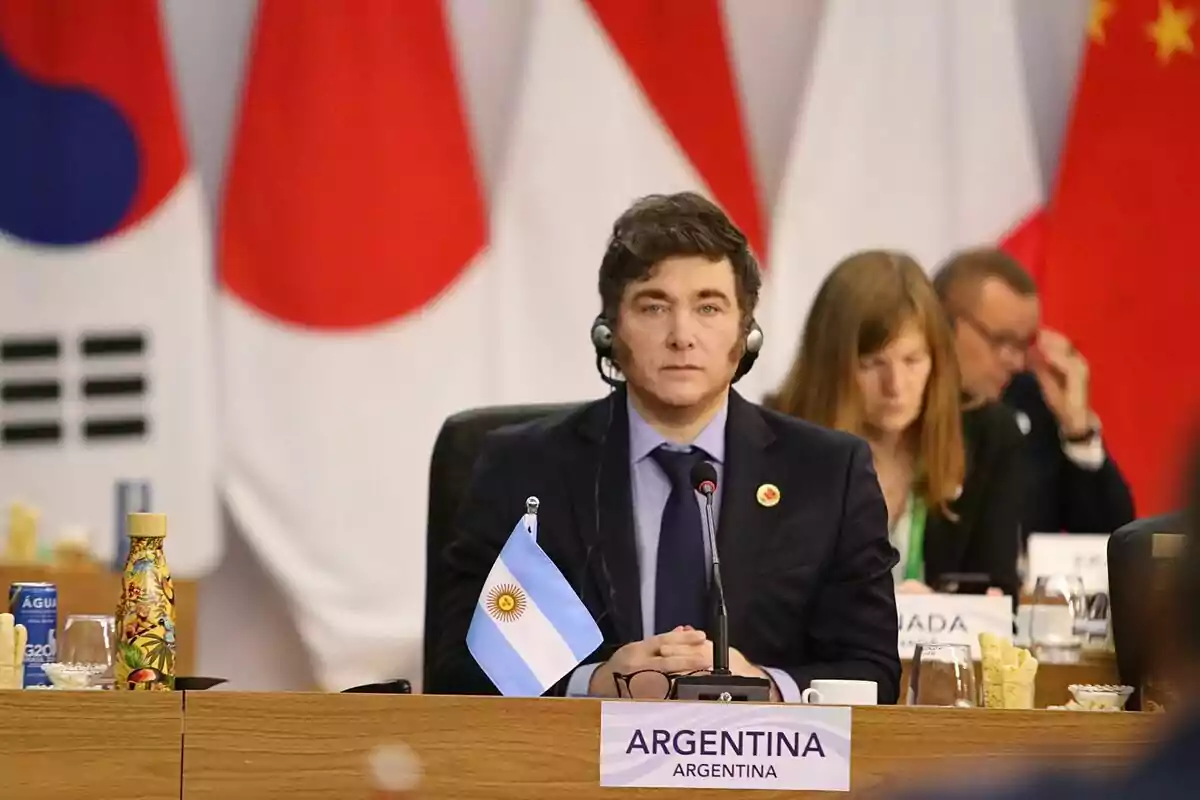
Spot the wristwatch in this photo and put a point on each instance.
(1089, 434)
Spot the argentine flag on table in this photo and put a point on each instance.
(530, 628)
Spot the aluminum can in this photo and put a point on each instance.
(35, 605)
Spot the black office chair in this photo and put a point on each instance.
(1130, 558)
(454, 454)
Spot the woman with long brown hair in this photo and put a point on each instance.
(877, 359)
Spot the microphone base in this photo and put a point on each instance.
(722, 688)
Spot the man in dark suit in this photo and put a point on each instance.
(1073, 483)
(802, 526)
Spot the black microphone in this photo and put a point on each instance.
(720, 684)
(704, 481)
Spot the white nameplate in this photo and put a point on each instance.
(951, 619)
(1082, 554)
(710, 745)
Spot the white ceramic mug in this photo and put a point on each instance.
(841, 693)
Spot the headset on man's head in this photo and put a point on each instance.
(603, 334)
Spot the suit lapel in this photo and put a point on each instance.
(744, 523)
(609, 535)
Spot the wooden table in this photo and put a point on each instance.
(94, 745)
(226, 746)
(298, 746)
(1052, 680)
(84, 591)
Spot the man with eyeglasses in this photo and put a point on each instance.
(1003, 354)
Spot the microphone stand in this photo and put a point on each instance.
(721, 684)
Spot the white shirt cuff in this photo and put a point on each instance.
(1085, 455)
(581, 678)
(789, 690)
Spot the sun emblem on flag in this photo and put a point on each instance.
(506, 602)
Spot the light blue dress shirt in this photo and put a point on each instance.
(650, 489)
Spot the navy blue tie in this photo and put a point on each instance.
(681, 583)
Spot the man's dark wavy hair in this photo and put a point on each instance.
(661, 226)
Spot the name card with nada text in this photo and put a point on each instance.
(711, 745)
(951, 619)
(1082, 554)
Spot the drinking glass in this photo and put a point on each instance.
(1058, 618)
(89, 640)
(943, 675)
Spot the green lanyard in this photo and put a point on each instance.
(914, 567)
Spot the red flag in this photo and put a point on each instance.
(696, 97)
(1026, 241)
(1119, 277)
(351, 197)
(351, 205)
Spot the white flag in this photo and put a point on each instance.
(606, 114)
(915, 134)
(529, 628)
(105, 283)
(354, 319)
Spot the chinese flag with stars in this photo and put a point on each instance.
(1120, 276)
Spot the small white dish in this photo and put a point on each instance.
(1100, 697)
(73, 677)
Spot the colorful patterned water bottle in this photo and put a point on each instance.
(146, 612)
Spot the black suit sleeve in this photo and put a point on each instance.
(1061, 495)
(481, 530)
(1094, 501)
(993, 544)
(852, 630)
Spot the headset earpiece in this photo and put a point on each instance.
(754, 338)
(602, 343)
(754, 343)
(602, 337)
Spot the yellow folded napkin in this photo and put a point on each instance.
(1009, 673)
(12, 653)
